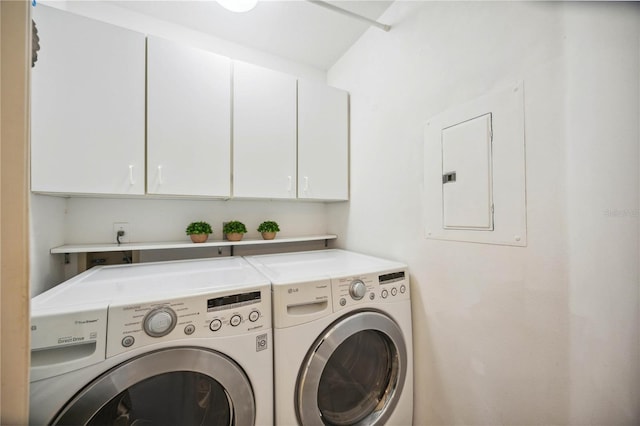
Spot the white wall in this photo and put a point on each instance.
(603, 80)
(46, 230)
(507, 335)
(90, 220)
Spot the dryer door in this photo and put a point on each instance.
(354, 373)
(178, 386)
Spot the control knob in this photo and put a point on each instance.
(357, 290)
(160, 321)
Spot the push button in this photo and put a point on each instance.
(343, 301)
(127, 341)
(384, 294)
(189, 329)
(215, 325)
(235, 320)
(253, 316)
(403, 289)
(394, 291)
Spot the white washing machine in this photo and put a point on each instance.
(168, 343)
(343, 352)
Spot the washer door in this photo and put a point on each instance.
(178, 386)
(354, 373)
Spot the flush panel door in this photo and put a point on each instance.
(467, 180)
(188, 120)
(323, 142)
(264, 133)
(88, 106)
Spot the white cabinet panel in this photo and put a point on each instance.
(264, 133)
(88, 106)
(188, 120)
(323, 142)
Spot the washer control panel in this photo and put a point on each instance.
(385, 287)
(201, 316)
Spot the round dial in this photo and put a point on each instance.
(160, 321)
(357, 290)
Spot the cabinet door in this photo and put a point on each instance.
(188, 120)
(323, 142)
(87, 111)
(264, 133)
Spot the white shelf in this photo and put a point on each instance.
(89, 248)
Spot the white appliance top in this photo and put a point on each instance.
(105, 285)
(287, 268)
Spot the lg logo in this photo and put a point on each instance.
(292, 290)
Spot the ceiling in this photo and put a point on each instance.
(292, 29)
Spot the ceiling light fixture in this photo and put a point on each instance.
(238, 5)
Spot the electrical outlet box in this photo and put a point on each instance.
(122, 226)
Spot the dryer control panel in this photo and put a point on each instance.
(214, 315)
(386, 287)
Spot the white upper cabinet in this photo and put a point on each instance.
(323, 142)
(88, 106)
(264, 133)
(188, 120)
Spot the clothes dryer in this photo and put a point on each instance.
(165, 343)
(343, 349)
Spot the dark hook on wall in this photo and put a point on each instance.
(35, 42)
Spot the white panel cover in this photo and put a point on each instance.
(323, 142)
(148, 281)
(88, 106)
(264, 133)
(466, 151)
(506, 172)
(188, 120)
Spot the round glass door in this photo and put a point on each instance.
(354, 373)
(179, 386)
(178, 398)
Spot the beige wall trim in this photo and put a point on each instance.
(15, 61)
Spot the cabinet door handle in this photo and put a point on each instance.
(289, 185)
(131, 179)
(160, 179)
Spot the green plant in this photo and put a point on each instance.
(198, 228)
(234, 227)
(269, 226)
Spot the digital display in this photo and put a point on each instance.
(391, 278)
(234, 299)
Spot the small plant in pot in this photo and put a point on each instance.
(234, 230)
(268, 229)
(199, 231)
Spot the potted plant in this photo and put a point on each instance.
(234, 230)
(268, 228)
(198, 231)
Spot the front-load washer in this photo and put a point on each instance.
(167, 343)
(343, 352)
